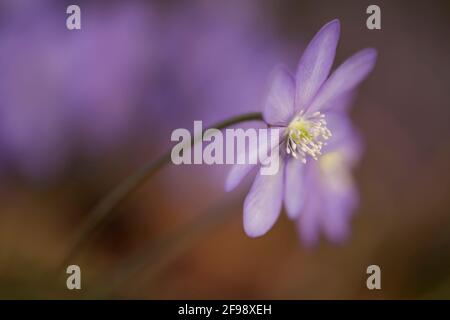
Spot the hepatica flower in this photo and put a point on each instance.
(328, 192)
(307, 107)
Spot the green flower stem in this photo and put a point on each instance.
(104, 209)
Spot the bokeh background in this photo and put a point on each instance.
(82, 110)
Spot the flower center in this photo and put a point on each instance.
(306, 135)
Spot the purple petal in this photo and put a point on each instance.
(349, 74)
(340, 104)
(341, 203)
(339, 196)
(340, 126)
(236, 174)
(294, 193)
(339, 188)
(308, 222)
(315, 64)
(262, 205)
(345, 138)
(352, 148)
(336, 224)
(279, 107)
(239, 171)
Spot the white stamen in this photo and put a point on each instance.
(307, 135)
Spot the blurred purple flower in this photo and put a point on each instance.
(301, 106)
(110, 60)
(328, 193)
(63, 90)
(133, 68)
(214, 62)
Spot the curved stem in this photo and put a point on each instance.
(105, 207)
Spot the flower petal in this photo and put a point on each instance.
(340, 104)
(336, 224)
(308, 224)
(338, 194)
(239, 171)
(294, 192)
(340, 206)
(346, 77)
(279, 106)
(315, 64)
(236, 174)
(262, 205)
(345, 138)
(341, 128)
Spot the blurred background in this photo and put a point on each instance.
(82, 110)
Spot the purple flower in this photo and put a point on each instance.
(302, 106)
(63, 91)
(331, 195)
